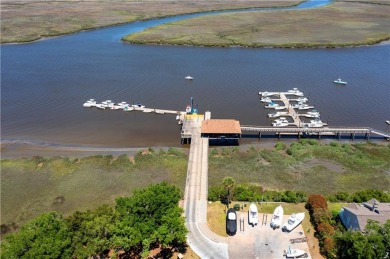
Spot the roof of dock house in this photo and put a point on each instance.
(221, 126)
(372, 209)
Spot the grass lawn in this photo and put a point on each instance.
(336, 25)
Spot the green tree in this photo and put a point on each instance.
(46, 236)
(228, 183)
(92, 231)
(149, 218)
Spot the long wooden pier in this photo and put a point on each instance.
(335, 131)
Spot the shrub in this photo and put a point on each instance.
(280, 146)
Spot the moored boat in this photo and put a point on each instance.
(277, 217)
(189, 77)
(90, 103)
(276, 114)
(339, 81)
(294, 220)
(295, 92)
(312, 114)
(272, 105)
(253, 215)
(266, 100)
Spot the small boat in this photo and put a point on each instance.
(277, 217)
(294, 220)
(177, 117)
(138, 105)
(253, 215)
(128, 108)
(265, 94)
(189, 77)
(312, 114)
(316, 123)
(301, 100)
(159, 112)
(280, 108)
(90, 103)
(280, 124)
(147, 110)
(340, 82)
(295, 92)
(281, 120)
(388, 122)
(265, 100)
(276, 114)
(295, 253)
(304, 107)
(272, 105)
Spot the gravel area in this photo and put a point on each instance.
(262, 241)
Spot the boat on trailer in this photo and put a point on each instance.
(277, 217)
(253, 215)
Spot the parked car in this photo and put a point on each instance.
(231, 222)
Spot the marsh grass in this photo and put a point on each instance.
(306, 166)
(29, 20)
(340, 24)
(30, 187)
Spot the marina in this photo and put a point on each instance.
(225, 131)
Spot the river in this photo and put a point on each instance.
(45, 83)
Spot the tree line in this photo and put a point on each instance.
(150, 218)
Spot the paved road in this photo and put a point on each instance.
(203, 242)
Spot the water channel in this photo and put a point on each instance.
(45, 83)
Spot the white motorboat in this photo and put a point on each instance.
(312, 114)
(253, 215)
(339, 81)
(316, 123)
(294, 220)
(138, 105)
(189, 77)
(159, 112)
(277, 217)
(388, 122)
(280, 107)
(128, 108)
(147, 110)
(301, 99)
(266, 100)
(276, 114)
(101, 106)
(272, 105)
(280, 124)
(295, 92)
(90, 103)
(295, 253)
(304, 107)
(281, 120)
(107, 104)
(265, 94)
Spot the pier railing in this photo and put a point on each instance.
(325, 130)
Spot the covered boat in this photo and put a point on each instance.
(294, 220)
(253, 215)
(277, 217)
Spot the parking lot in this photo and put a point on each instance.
(262, 241)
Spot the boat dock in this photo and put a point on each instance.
(288, 109)
(327, 131)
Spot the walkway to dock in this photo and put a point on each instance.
(204, 242)
(290, 110)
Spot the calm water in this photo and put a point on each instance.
(44, 84)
